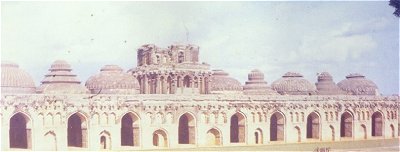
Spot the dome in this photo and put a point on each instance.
(112, 80)
(61, 80)
(326, 86)
(256, 84)
(357, 84)
(293, 84)
(220, 81)
(15, 80)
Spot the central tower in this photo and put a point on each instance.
(172, 70)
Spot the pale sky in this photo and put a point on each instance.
(274, 37)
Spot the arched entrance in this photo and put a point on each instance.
(277, 126)
(51, 141)
(237, 133)
(392, 130)
(105, 140)
(377, 124)
(346, 125)
(186, 130)
(160, 138)
(130, 130)
(258, 136)
(364, 130)
(20, 132)
(77, 130)
(213, 137)
(313, 126)
(298, 133)
(333, 132)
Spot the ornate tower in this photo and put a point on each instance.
(172, 70)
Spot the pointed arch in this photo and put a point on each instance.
(298, 133)
(214, 137)
(51, 139)
(77, 130)
(277, 127)
(346, 125)
(130, 129)
(105, 140)
(313, 125)
(364, 131)
(238, 128)
(258, 136)
(377, 124)
(160, 138)
(187, 128)
(20, 131)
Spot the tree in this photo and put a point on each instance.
(396, 5)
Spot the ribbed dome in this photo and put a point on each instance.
(220, 81)
(326, 86)
(112, 80)
(61, 80)
(357, 84)
(256, 84)
(293, 84)
(15, 80)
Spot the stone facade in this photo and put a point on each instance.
(177, 102)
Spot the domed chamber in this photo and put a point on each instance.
(15, 80)
(256, 84)
(357, 84)
(221, 82)
(60, 80)
(326, 85)
(112, 80)
(293, 83)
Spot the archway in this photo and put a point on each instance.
(130, 130)
(237, 133)
(392, 130)
(51, 141)
(298, 133)
(277, 126)
(213, 137)
(313, 126)
(346, 125)
(77, 130)
(377, 124)
(258, 136)
(364, 130)
(105, 140)
(186, 82)
(333, 132)
(160, 138)
(186, 130)
(20, 132)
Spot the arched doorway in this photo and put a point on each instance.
(105, 140)
(186, 130)
(258, 136)
(313, 126)
(51, 141)
(346, 125)
(364, 130)
(392, 130)
(333, 132)
(160, 138)
(20, 132)
(77, 130)
(130, 130)
(213, 137)
(186, 82)
(377, 124)
(237, 133)
(277, 126)
(298, 133)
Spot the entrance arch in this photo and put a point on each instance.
(377, 124)
(51, 141)
(160, 138)
(186, 130)
(313, 126)
(20, 131)
(258, 136)
(277, 127)
(105, 140)
(130, 130)
(298, 133)
(364, 130)
(213, 137)
(346, 125)
(333, 132)
(238, 128)
(77, 130)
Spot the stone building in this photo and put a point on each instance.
(170, 100)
